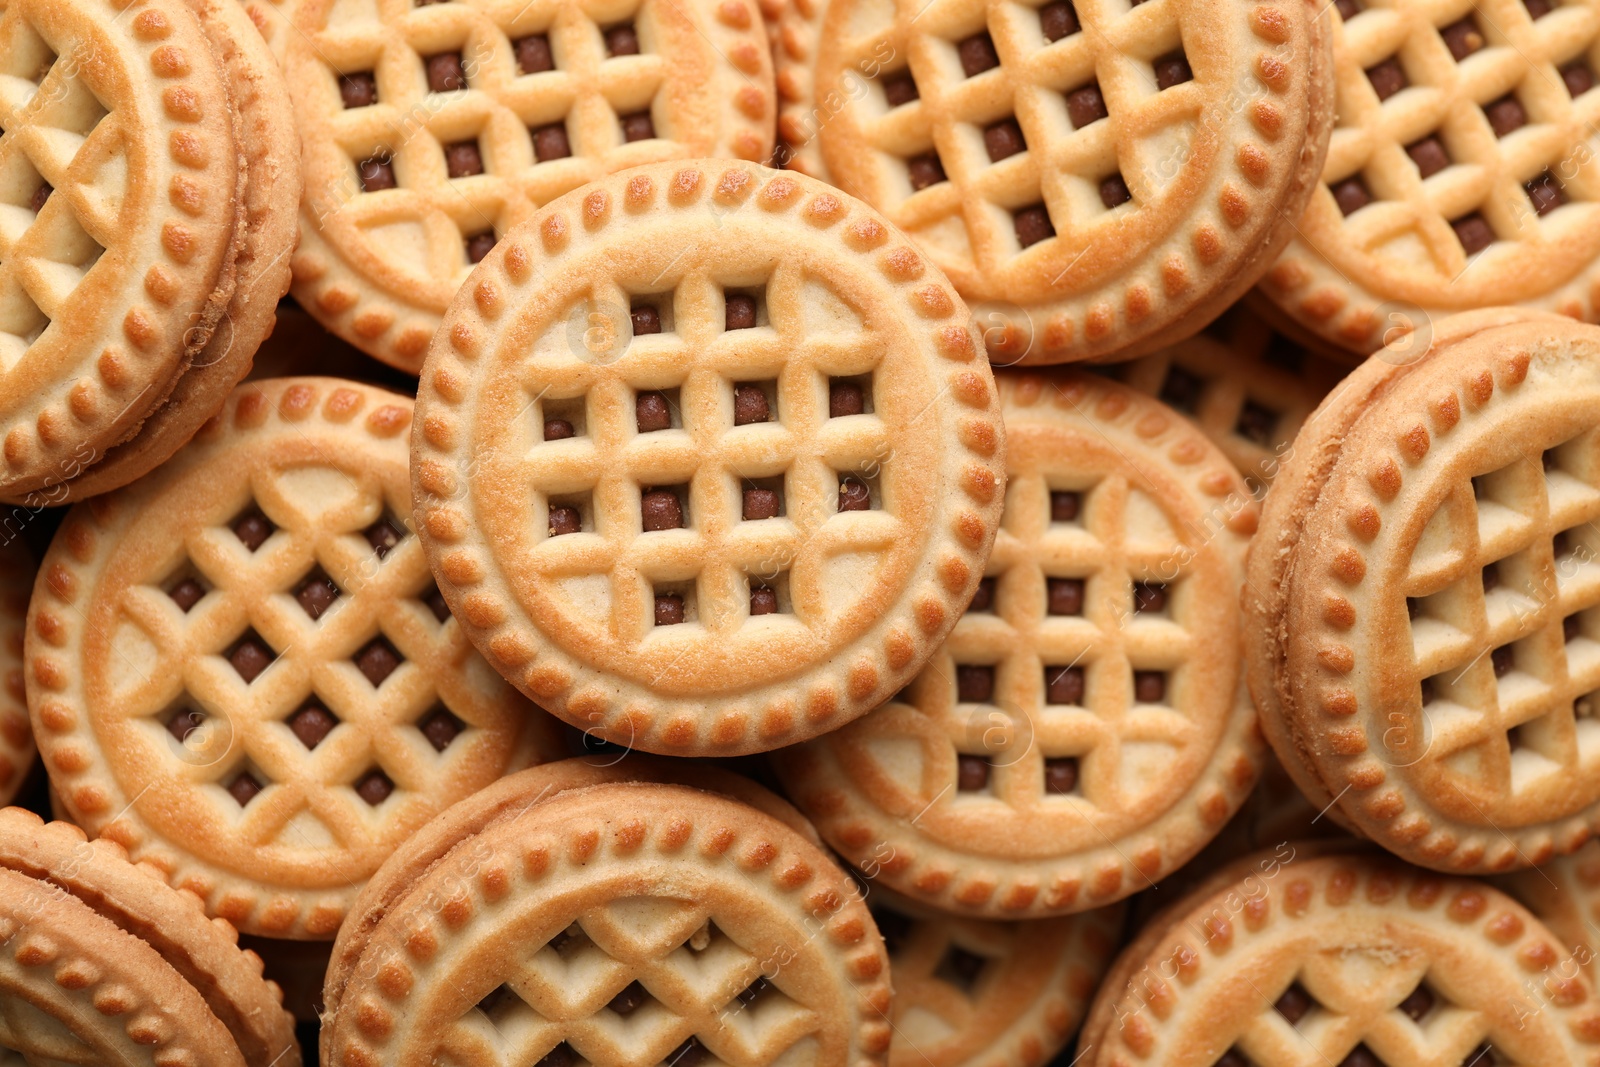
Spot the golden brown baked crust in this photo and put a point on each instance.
(1410, 589)
(1443, 150)
(1207, 172)
(17, 751)
(863, 596)
(269, 156)
(1359, 952)
(242, 673)
(1246, 385)
(130, 125)
(975, 993)
(722, 928)
(204, 953)
(380, 268)
(1108, 739)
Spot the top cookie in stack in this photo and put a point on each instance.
(147, 187)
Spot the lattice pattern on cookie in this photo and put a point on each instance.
(1017, 990)
(1483, 152)
(63, 176)
(1461, 171)
(1501, 594)
(1064, 682)
(1023, 122)
(1326, 1016)
(312, 675)
(692, 496)
(439, 127)
(1247, 386)
(672, 989)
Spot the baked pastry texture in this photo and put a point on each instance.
(432, 130)
(240, 670)
(1102, 177)
(1085, 729)
(148, 180)
(1343, 958)
(707, 459)
(1461, 174)
(604, 914)
(104, 963)
(1422, 595)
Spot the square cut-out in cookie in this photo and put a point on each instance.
(1086, 105)
(850, 395)
(376, 173)
(569, 513)
(1004, 139)
(463, 159)
(859, 491)
(977, 54)
(377, 660)
(1474, 232)
(1579, 77)
(1032, 225)
(622, 39)
(564, 419)
(761, 498)
(359, 89)
(899, 87)
(744, 309)
(1114, 192)
(755, 402)
(1064, 596)
(445, 71)
(1351, 194)
(925, 169)
(1387, 78)
(1064, 684)
(1545, 193)
(973, 773)
(982, 597)
(1058, 20)
(478, 245)
(1506, 115)
(638, 126)
(1429, 155)
(663, 508)
(1172, 69)
(769, 594)
(534, 54)
(655, 410)
(975, 683)
(1463, 37)
(550, 142)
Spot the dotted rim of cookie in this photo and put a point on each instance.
(45, 444)
(577, 832)
(17, 750)
(376, 320)
(1347, 527)
(56, 628)
(1139, 1026)
(130, 895)
(953, 879)
(963, 530)
(268, 216)
(1231, 233)
(89, 968)
(1079, 949)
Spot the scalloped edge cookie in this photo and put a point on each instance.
(1296, 597)
(945, 876)
(826, 695)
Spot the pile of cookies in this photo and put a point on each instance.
(566, 534)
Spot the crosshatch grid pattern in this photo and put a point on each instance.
(1401, 244)
(1507, 646)
(48, 242)
(1146, 130)
(702, 74)
(1028, 647)
(717, 557)
(251, 596)
(1326, 1011)
(613, 992)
